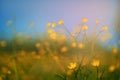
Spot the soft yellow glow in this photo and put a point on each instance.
(112, 68)
(53, 25)
(3, 43)
(60, 22)
(69, 72)
(97, 22)
(84, 20)
(115, 50)
(72, 65)
(81, 45)
(38, 45)
(104, 27)
(105, 37)
(48, 24)
(64, 49)
(50, 31)
(84, 27)
(61, 39)
(74, 44)
(95, 63)
(53, 36)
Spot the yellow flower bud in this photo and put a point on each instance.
(84, 27)
(104, 28)
(95, 63)
(84, 20)
(48, 24)
(53, 25)
(72, 66)
(60, 22)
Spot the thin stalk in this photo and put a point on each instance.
(93, 42)
(69, 32)
(15, 69)
(76, 74)
(97, 73)
(79, 32)
(85, 36)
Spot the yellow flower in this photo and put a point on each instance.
(50, 31)
(105, 37)
(48, 24)
(64, 49)
(3, 43)
(56, 58)
(81, 45)
(53, 25)
(38, 45)
(111, 68)
(60, 22)
(84, 27)
(61, 39)
(9, 22)
(84, 20)
(104, 27)
(95, 63)
(74, 44)
(72, 66)
(115, 50)
(97, 22)
(53, 36)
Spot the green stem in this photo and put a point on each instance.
(15, 69)
(69, 32)
(97, 73)
(93, 42)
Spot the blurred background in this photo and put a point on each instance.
(25, 14)
(29, 49)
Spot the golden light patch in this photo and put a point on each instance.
(84, 20)
(97, 22)
(115, 50)
(81, 45)
(104, 27)
(60, 22)
(111, 68)
(3, 44)
(48, 24)
(64, 49)
(74, 44)
(95, 63)
(72, 66)
(53, 25)
(84, 27)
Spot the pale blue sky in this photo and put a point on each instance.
(42, 11)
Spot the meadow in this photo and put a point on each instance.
(59, 54)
